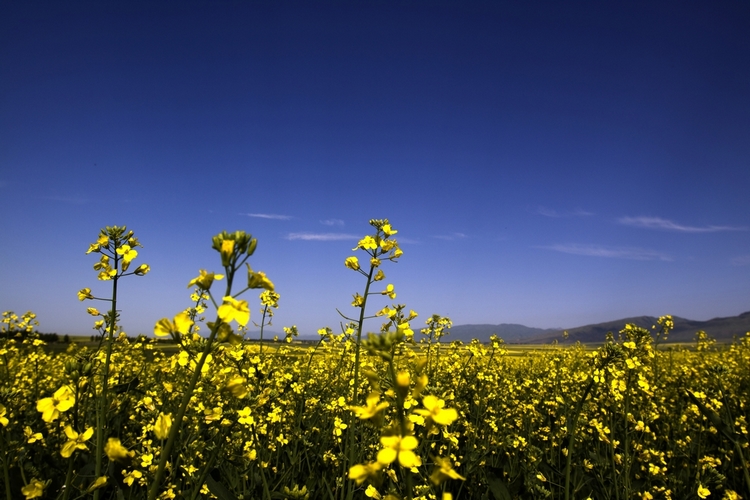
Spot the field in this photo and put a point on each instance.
(392, 414)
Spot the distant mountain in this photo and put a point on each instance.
(509, 332)
(721, 329)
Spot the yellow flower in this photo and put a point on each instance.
(245, 417)
(116, 451)
(258, 280)
(93, 311)
(388, 231)
(162, 426)
(444, 470)
(358, 300)
(85, 293)
(127, 253)
(75, 441)
(372, 492)
(389, 291)
(3, 421)
(352, 263)
(401, 448)
(703, 492)
(233, 309)
(31, 436)
(361, 473)
(379, 276)
(131, 477)
(435, 411)
(181, 324)
(98, 483)
(205, 279)
(227, 247)
(367, 243)
(371, 408)
(34, 489)
(142, 269)
(62, 400)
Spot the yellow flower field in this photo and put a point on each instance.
(399, 413)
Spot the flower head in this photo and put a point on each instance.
(205, 279)
(233, 309)
(398, 447)
(62, 400)
(435, 411)
(75, 441)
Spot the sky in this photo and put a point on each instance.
(552, 164)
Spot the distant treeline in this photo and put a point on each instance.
(47, 337)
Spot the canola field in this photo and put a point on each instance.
(400, 413)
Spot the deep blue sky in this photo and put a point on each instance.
(551, 164)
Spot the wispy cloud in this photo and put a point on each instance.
(270, 216)
(548, 212)
(321, 236)
(609, 252)
(332, 222)
(742, 260)
(659, 223)
(450, 237)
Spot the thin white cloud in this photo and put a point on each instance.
(609, 252)
(450, 237)
(548, 212)
(742, 260)
(270, 216)
(332, 222)
(659, 223)
(321, 236)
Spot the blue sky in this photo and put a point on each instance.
(546, 163)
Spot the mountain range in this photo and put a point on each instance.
(721, 329)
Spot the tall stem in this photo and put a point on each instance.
(103, 398)
(355, 396)
(177, 421)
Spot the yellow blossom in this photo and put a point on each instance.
(352, 263)
(181, 324)
(62, 400)
(204, 280)
(362, 472)
(75, 441)
(34, 489)
(399, 447)
(435, 411)
(258, 280)
(98, 483)
(389, 291)
(131, 477)
(127, 253)
(85, 293)
(444, 470)
(3, 420)
(703, 492)
(366, 243)
(116, 451)
(142, 269)
(233, 309)
(162, 426)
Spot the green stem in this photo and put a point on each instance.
(355, 396)
(103, 398)
(177, 421)
(571, 439)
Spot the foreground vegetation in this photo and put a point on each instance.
(397, 414)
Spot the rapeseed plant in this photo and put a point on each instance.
(632, 419)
